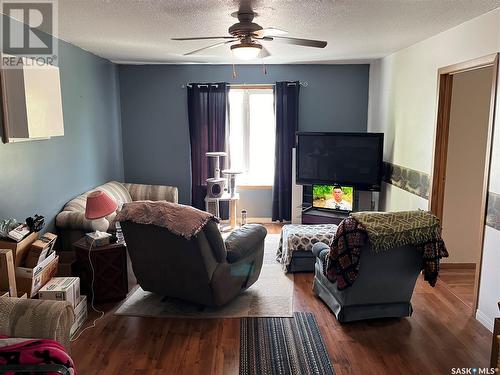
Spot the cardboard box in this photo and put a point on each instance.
(61, 289)
(6, 294)
(40, 249)
(7, 272)
(19, 249)
(67, 263)
(30, 280)
(80, 315)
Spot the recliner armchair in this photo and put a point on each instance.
(204, 269)
(383, 288)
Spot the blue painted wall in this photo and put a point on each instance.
(41, 176)
(155, 121)
(258, 203)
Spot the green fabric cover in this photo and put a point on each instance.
(388, 230)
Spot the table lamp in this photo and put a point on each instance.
(99, 205)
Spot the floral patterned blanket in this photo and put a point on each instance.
(20, 351)
(298, 237)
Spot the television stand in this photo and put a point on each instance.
(314, 216)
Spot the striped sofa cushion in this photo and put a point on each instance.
(140, 192)
(36, 319)
(73, 214)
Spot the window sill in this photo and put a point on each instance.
(254, 187)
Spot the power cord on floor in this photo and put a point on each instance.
(100, 312)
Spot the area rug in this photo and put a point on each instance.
(270, 296)
(279, 346)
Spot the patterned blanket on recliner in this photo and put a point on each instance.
(185, 221)
(342, 262)
(388, 230)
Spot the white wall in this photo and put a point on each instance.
(467, 144)
(489, 293)
(395, 199)
(403, 104)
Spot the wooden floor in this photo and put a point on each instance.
(460, 281)
(440, 335)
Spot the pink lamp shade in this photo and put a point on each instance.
(99, 205)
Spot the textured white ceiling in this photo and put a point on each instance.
(139, 31)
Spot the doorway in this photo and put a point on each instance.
(464, 130)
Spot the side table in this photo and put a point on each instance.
(110, 270)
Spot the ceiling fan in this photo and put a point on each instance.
(246, 37)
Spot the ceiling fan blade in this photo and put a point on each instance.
(209, 47)
(264, 52)
(264, 38)
(300, 42)
(204, 37)
(270, 31)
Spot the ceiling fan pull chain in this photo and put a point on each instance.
(264, 68)
(235, 75)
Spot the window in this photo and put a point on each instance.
(252, 135)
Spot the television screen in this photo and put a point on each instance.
(352, 159)
(333, 197)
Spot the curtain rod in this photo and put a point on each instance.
(301, 83)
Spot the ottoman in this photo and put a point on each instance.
(296, 242)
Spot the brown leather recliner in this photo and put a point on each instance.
(205, 269)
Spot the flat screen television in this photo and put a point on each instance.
(351, 159)
(333, 197)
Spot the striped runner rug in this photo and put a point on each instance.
(283, 346)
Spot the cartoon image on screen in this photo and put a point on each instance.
(333, 197)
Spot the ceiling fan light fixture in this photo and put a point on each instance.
(246, 51)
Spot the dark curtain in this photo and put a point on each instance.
(286, 101)
(207, 105)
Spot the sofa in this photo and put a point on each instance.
(383, 288)
(72, 225)
(203, 269)
(36, 319)
(23, 320)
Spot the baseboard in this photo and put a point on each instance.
(484, 320)
(264, 220)
(260, 220)
(449, 266)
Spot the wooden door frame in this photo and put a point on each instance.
(436, 198)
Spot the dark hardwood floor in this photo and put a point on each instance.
(440, 335)
(460, 281)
